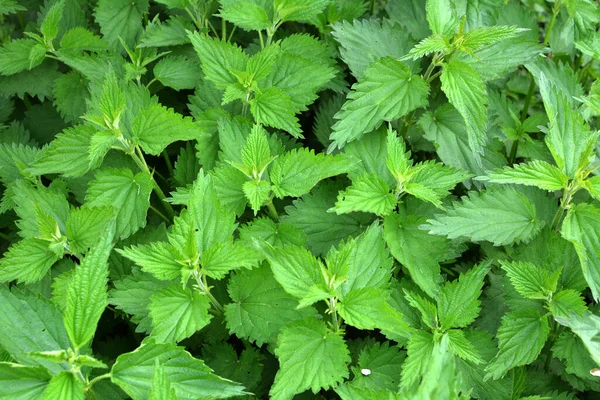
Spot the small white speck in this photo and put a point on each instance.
(595, 372)
(365, 371)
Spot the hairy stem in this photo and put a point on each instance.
(565, 203)
(203, 285)
(334, 315)
(138, 158)
(97, 379)
(272, 211)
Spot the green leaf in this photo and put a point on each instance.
(298, 171)
(299, 76)
(431, 44)
(531, 281)
(275, 234)
(218, 260)
(215, 223)
(368, 309)
(27, 261)
(295, 268)
(257, 193)
(75, 162)
(298, 10)
(418, 251)
(445, 128)
(323, 230)
(462, 347)
(568, 138)
(387, 91)
(177, 72)
(501, 216)
(260, 307)
(592, 185)
(418, 353)
(80, 39)
(49, 26)
(30, 323)
(20, 382)
(484, 36)
(132, 295)
(86, 224)
(86, 296)
(120, 19)
(218, 59)
(442, 17)
(161, 385)
(14, 56)
(565, 302)
(10, 7)
(256, 154)
(131, 192)
(436, 177)
(581, 227)
(368, 193)
(171, 32)
(30, 201)
(155, 127)
(535, 173)
(177, 313)
(247, 14)
(377, 367)
(158, 258)
(364, 41)
(587, 328)
(64, 386)
(190, 377)
(466, 91)
(369, 262)
(310, 357)
(426, 308)
(274, 107)
(70, 96)
(458, 303)
(521, 337)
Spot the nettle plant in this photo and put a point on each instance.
(299, 199)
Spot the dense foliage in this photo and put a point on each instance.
(310, 199)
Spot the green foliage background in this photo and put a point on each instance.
(299, 199)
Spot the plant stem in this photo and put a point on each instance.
(98, 378)
(260, 37)
(163, 216)
(223, 29)
(428, 77)
(555, 10)
(168, 161)
(202, 284)
(138, 158)
(272, 211)
(565, 202)
(334, 316)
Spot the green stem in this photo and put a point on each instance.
(555, 10)
(212, 28)
(223, 29)
(272, 211)
(260, 37)
(97, 379)
(203, 285)
(565, 202)
(4, 236)
(157, 212)
(334, 316)
(138, 158)
(150, 83)
(231, 34)
(168, 161)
